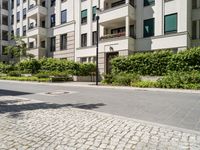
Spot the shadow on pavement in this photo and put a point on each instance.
(12, 93)
(16, 107)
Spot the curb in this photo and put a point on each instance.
(69, 84)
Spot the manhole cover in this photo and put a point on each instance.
(56, 93)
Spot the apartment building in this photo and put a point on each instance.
(48, 27)
(3, 29)
(66, 29)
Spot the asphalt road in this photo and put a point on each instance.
(170, 108)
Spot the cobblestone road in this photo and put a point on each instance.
(29, 124)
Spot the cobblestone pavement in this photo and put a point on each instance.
(29, 124)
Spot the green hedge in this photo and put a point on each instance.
(158, 63)
(184, 80)
(54, 65)
(149, 63)
(185, 61)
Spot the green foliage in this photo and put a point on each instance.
(48, 74)
(17, 50)
(5, 68)
(185, 61)
(14, 73)
(121, 79)
(184, 80)
(149, 63)
(29, 66)
(108, 79)
(52, 64)
(87, 69)
(144, 84)
(25, 79)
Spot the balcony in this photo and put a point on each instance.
(33, 31)
(115, 13)
(36, 9)
(38, 52)
(116, 42)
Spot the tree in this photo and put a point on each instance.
(19, 49)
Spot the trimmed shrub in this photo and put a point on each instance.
(52, 64)
(185, 61)
(121, 79)
(29, 66)
(149, 63)
(108, 79)
(86, 69)
(14, 74)
(184, 80)
(144, 84)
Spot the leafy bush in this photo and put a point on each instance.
(29, 66)
(122, 79)
(149, 63)
(86, 69)
(184, 80)
(52, 64)
(144, 84)
(47, 74)
(5, 68)
(25, 79)
(108, 79)
(125, 79)
(185, 61)
(14, 73)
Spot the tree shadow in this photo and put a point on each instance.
(15, 108)
(13, 93)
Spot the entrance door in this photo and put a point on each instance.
(109, 57)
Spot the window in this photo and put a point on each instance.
(24, 30)
(18, 2)
(149, 27)
(83, 40)
(12, 19)
(94, 9)
(53, 20)
(63, 42)
(194, 4)
(84, 16)
(171, 23)
(94, 37)
(149, 2)
(63, 16)
(194, 30)
(18, 16)
(53, 44)
(18, 32)
(53, 3)
(24, 13)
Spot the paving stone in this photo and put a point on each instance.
(39, 126)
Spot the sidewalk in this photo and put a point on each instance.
(30, 124)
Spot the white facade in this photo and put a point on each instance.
(122, 25)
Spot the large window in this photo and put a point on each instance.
(94, 9)
(53, 44)
(149, 2)
(63, 16)
(63, 42)
(194, 30)
(53, 20)
(84, 16)
(149, 27)
(83, 40)
(171, 23)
